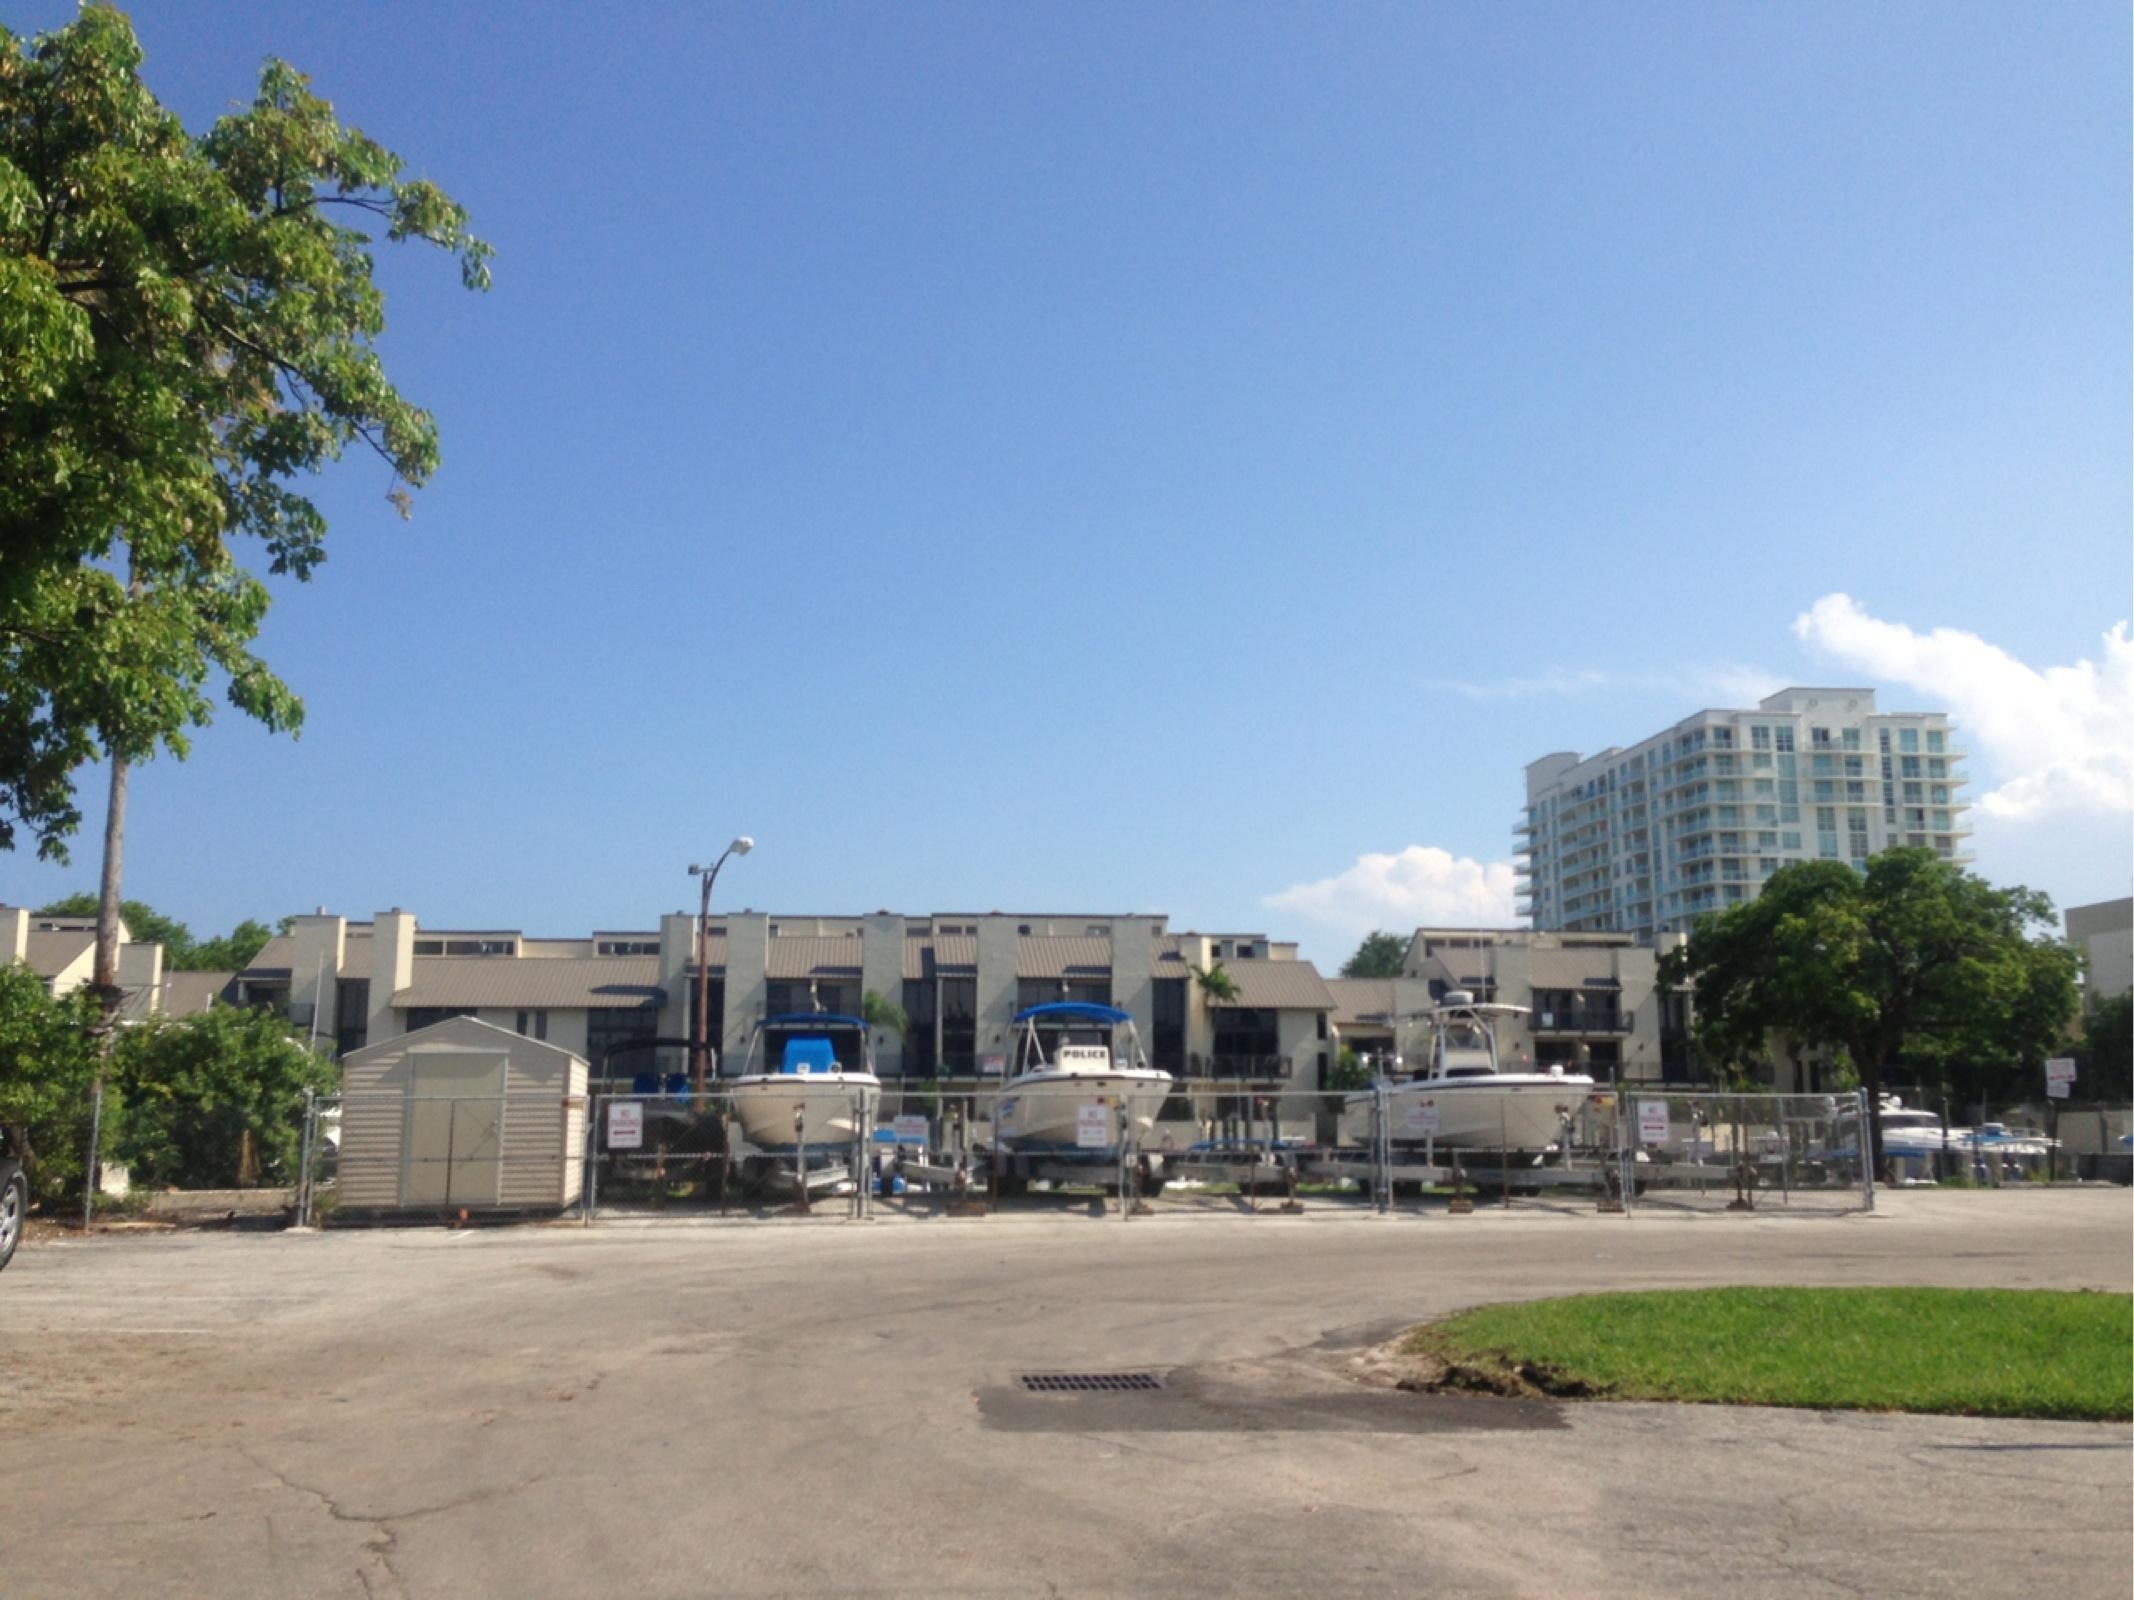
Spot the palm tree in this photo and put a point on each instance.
(878, 1011)
(1215, 983)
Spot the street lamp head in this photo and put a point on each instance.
(742, 845)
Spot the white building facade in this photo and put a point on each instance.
(1644, 840)
(625, 1001)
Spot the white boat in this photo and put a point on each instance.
(1042, 1106)
(810, 1102)
(1461, 1099)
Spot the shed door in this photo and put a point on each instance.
(455, 1128)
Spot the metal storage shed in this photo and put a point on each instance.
(461, 1114)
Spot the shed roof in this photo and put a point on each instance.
(463, 1030)
(592, 983)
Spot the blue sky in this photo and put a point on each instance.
(1106, 457)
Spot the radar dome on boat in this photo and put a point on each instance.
(1458, 997)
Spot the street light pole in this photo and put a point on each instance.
(700, 1034)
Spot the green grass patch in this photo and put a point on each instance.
(1972, 1352)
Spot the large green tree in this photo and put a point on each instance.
(1911, 954)
(187, 326)
(2107, 1050)
(47, 1063)
(1379, 956)
(195, 1089)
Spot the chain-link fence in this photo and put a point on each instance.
(792, 1144)
(1690, 1150)
(1133, 1148)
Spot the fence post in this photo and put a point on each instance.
(1626, 1168)
(1381, 1155)
(1867, 1165)
(305, 1147)
(592, 1161)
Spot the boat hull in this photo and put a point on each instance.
(1043, 1111)
(831, 1107)
(1499, 1113)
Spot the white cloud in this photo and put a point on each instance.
(1719, 684)
(1416, 887)
(2060, 740)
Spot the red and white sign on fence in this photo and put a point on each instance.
(1653, 1127)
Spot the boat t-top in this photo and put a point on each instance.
(1042, 1105)
(1476, 1104)
(809, 1100)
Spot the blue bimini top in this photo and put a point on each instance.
(1074, 1011)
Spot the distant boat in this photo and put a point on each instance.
(1478, 1105)
(809, 1102)
(1041, 1105)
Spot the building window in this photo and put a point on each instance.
(920, 1058)
(1247, 1043)
(611, 1031)
(959, 1027)
(419, 1017)
(1908, 739)
(1937, 741)
(351, 1013)
(626, 947)
(1852, 738)
(539, 1030)
(1167, 1045)
(1759, 737)
(1783, 737)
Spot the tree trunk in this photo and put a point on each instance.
(1868, 1059)
(109, 996)
(106, 979)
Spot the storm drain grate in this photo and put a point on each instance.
(1088, 1382)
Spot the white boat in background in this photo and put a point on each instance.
(1462, 1099)
(809, 1102)
(1041, 1105)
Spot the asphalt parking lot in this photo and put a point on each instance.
(817, 1408)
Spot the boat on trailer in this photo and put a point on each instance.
(809, 1101)
(1041, 1105)
(1478, 1105)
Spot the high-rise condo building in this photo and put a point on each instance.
(1643, 840)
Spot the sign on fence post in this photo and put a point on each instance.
(1422, 1117)
(1092, 1127)
(1652, 1122)
(626, 1124)
(2060, 1077)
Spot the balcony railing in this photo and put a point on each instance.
(1581, 1019)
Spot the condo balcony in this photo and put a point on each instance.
(1603, 1020)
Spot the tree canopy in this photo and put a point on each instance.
(47, 1062)
(193, 1089)
(187, 325)
(1379, 956)
(230, 952)
(1913, 954)
(2107, 1051)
